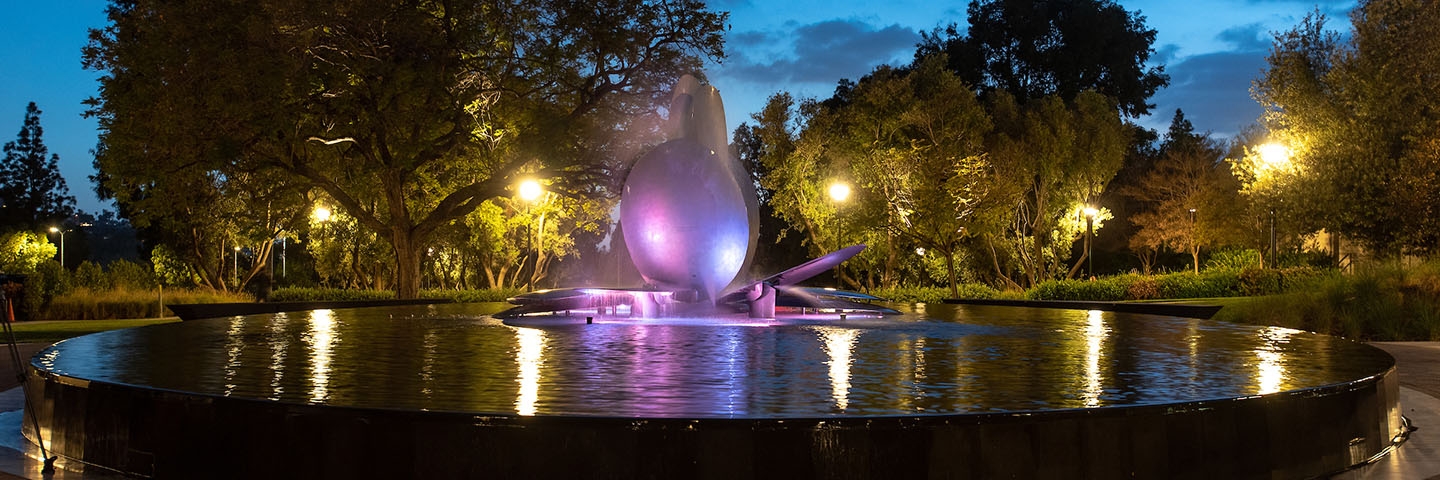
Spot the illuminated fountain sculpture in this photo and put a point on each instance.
(690, 219)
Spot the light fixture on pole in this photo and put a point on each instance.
(235, 269)
(1090, 213)
(1194, 249)
(530, 191)
(62, 243)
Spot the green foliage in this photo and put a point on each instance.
(1109, 289)
(1233, 259)
(407, 116)
(1380, 303)
(344, 295)
(474, 296)
(1357, 113)
(294, 294)
(1037, 49)
(124, 274)
(124, 303)
(90, 276)
(170, 269)
(21, 251)
(935, 294)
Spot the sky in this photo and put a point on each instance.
(1211, 49)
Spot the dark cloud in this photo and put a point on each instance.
(1213, 90)
(1165, 54)
(821, 52)
(1246, 38)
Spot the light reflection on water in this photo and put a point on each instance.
(967, 359)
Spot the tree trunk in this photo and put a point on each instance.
(950, 272)
(407, 264)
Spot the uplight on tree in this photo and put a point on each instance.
(321, 214)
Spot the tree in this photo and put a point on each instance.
(1358, 117)
(408, 116)
(1034, 49)
(1058, 157)
(1178, 197)
(33, 195)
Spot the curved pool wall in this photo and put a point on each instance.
(335, 394)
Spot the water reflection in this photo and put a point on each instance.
(234, 346)
(839, 343)
(967, 359)
(529, 358)
(1095, 334)
(279, 343)
(321, 340)
(1271, 368)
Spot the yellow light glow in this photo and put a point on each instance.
(839, 191)
(1274, 155)
(530, 357)
(1091, 212)
(1095, 334)
(920, 251)
(321, 339)
(530, 190)
(321, 214)
(1270, 375)
(54, 230)
(838, 344)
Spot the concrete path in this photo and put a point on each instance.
(1418, 458)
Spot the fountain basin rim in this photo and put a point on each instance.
(941, 418)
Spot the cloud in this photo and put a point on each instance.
(822, 52)
(1246, 38)
(1213, 90)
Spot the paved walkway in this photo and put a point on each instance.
(1418, 458)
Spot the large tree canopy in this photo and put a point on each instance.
(1360, 117)
(1034, 49)
(408, 115)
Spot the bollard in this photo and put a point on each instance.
(589, 320)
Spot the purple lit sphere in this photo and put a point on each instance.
(684, 218)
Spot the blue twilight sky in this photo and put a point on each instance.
(1211, 49)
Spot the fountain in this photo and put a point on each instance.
(634, 384)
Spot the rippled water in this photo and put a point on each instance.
(939, 359)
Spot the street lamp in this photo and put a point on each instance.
(839, 191)
(1090, 213)
(62, 243)
(1194, 249)
(531, 191)
(235, 269)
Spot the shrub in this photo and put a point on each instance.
(473, 296)
(86, 304)
(1108, 289)
(1232, 259)
(125, 274)
(295, 294)
(90, 275)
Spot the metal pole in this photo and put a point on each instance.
(62, 248)
(282, 257)
(1089, 235)
(1274, 252)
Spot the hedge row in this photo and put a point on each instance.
(1211, 283)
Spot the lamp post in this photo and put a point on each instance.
(530, 191)
(62, 243)
(1273, 156)
(839, 192)
(1090, 213)
(1194, 249)
(235, 269)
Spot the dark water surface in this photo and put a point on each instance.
(938, 359)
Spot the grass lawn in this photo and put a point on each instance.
(51, 331)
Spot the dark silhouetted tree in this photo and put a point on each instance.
(32, 192)
(1037, 48)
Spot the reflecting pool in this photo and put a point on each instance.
(935, 359)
